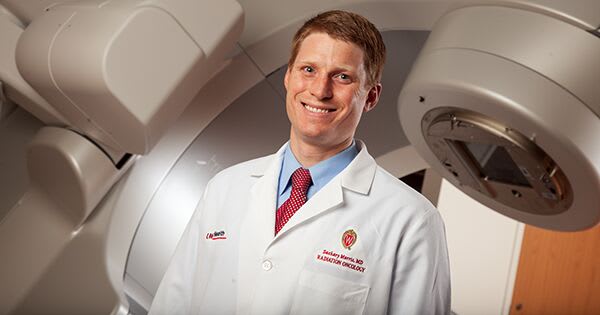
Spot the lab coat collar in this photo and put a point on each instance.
(358, 176)
(270, 163)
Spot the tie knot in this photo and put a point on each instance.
(301, 179)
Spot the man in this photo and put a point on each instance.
(317, 228)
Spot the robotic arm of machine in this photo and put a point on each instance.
(107, 78)
(120, 72)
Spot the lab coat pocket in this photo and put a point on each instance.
(319, 293)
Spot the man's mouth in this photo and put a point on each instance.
(317, 110)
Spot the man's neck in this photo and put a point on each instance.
(309, 154)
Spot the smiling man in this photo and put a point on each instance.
(327, 92)
(318, 227)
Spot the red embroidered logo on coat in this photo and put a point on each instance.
(348, 239)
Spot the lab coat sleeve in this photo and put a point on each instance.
(421, 282)
(175, 292)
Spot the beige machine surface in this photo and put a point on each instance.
(146, 61)
(502, 101)
(108, 78)
(525, 152)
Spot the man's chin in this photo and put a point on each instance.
(321, 140)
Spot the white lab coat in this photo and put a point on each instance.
(229, 262)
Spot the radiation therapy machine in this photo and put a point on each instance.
(114, 114)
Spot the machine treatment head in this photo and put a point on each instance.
(530, 154)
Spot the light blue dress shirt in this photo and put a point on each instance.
(321, 173)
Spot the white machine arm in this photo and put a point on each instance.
(14, 87)
(121, 72)
(118, 74)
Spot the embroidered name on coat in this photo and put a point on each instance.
(217, 235)
(342, 260)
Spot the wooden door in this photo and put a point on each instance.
(559, 273)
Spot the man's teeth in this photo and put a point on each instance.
(315, 110)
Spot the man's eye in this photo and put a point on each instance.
(308, 69)
(343, 77)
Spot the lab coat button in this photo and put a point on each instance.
(267, 265)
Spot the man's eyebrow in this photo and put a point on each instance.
(345, 69)
(335, 69)
(305, 62)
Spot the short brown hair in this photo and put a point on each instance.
(349, 27)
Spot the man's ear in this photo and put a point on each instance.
(372, 97)
(285, 79)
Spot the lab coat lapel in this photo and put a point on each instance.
(258, 227)
(261, 215)
(358, 177)
(327, 198)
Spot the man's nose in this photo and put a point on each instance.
(321, 87)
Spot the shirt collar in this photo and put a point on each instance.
(322, 172)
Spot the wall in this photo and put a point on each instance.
(484, 249)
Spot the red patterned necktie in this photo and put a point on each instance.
(300, 182)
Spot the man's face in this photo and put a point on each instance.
(327, 92)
